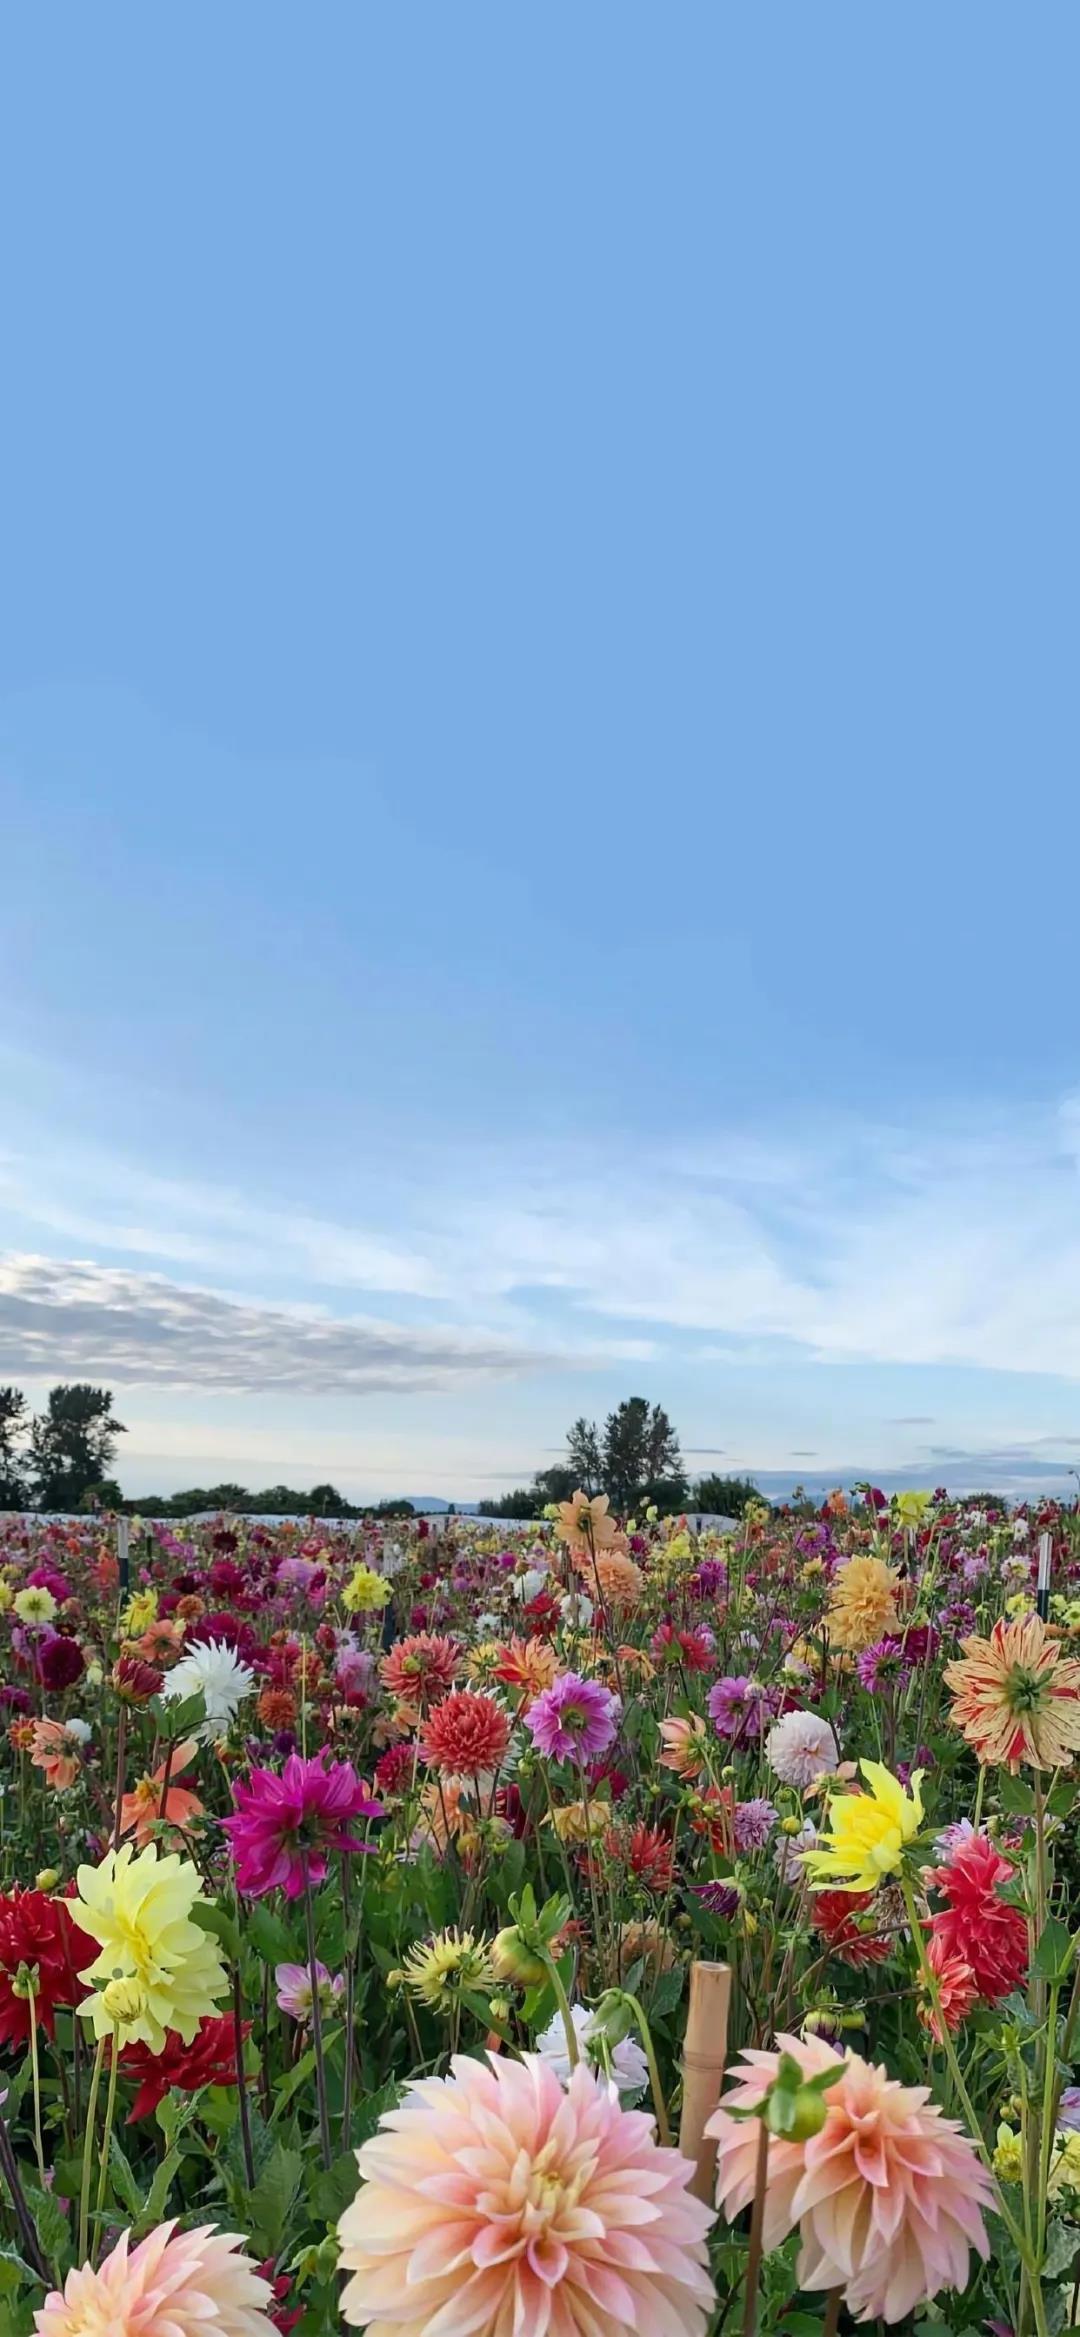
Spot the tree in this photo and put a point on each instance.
(326, 1501)
(725, 1496)
(13, 1427)
(640, 1449)
(584, 1456)
(72, 1443)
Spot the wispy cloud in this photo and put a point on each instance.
(953, 1245)
(72, 1318)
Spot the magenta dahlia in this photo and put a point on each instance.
(286, 1827)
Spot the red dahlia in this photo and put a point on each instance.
(42, 1946)
(209, 2060)
(833, 1914)
(978, 1926)
(466, 1735)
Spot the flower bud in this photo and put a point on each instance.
(513, 1960)
(124, 2001)
(48, 1878)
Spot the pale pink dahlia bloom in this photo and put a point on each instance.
(496, 2200)
(174, 2284)
(888, 2197)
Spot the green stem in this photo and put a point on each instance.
(38, 2139)
(88, 2151)
(563, 2002)
(110, 2112)
(662, 2127)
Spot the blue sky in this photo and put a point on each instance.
(538, 736)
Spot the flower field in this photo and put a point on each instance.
(619, 1930)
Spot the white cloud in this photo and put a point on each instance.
(73, 1318)
(953, 1244)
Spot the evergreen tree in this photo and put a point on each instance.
(72, 1443)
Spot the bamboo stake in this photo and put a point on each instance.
(704, 2055)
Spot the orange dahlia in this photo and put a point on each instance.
(466, 1735)
(1017, 1697)
(620, 1580)
(420, 1669)
(862, 1603)
(585, 1524)
(529, 1665)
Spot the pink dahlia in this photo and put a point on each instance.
(494, 2200)
(887, 2197)
(286, 1827)
(575, 1720)
(174, 2284)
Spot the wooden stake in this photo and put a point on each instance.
(704, 2056)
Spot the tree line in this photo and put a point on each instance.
(636, 1459)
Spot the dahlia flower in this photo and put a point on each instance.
(739, 1708)
(38, 1934)
(575, 1720)
(1017, 1698)
(494, 2200)
(800, 1748)
(835, 1914)
(629, 2068)
(211, 1670)
(60, 1662)
(529, 1665)
(586, 1524)
(870, 1832)
(58, 1752)
(862, 1603)
(209, 2059)
(295, 1992)
(421, 1668)
(753, 1823)
(684, 1742)
(173, 2284)
(467, 1735)
(138, 1907)
(955, 1989)
(286, 1827)
(978, 1926)
(152, 1801)
(887, 2197)
(440, 1970)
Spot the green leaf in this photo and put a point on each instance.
(179, 1720)
(1053, 1956)
(1062, 2245)
(667, 1991)
(293, 2079)
(221, 1923)
(1014, 1796)
(268, 1935)
(123, 2180)
(159, 2190)
(52, 2223)
(334, 2191)
(14, 2272)
(273, 2198)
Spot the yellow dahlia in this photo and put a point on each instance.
(868, 1832)
(139, 1907)
(1017, 1697)
(862, 1603)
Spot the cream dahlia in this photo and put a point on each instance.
(495, 2200)
(174, 2284)
(887, 2197)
